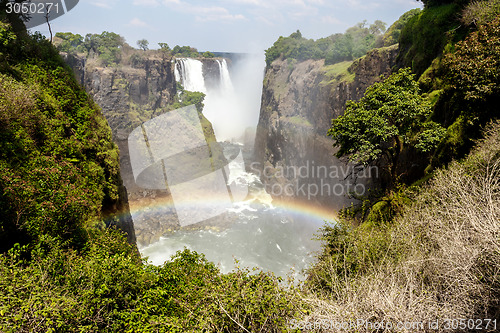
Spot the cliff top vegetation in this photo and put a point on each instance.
(110, 48)
(353, 43)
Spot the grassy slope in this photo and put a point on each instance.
(429, 251)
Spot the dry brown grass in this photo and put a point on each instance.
(450, 240)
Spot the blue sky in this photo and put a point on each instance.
(223, 25)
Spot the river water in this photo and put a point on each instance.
(254, 231)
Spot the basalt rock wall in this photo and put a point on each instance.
(293, 155)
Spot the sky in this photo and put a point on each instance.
(223, 25)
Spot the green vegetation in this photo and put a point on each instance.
(337, 72)
(470, 85)
(59, 167)
(480, 12)
(427, 250)
(143, 44)
(111, 49)
(61, 268)
(392, 34)
(433, 3)
(437, 257)
(190, 52)
(415, 253)
(391, 116)
(106, 288)
(354, 43)
(106, 46)
(426, 34)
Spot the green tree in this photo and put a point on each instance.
(390, 117)
(69, 42)
(392, 34)
(164, 46)
(432, 3)
(208, 54)
(143, 44)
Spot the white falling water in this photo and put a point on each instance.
(222, 106)
(226, 85)
(189, 72)
(260, 234)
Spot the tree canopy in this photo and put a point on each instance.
(352, 44)
(143, 44)
(391, 116)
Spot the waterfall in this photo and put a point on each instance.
(189, 72)
(226, 85)
(254, 231)
(232, 104)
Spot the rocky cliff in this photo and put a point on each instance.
(293, 155)
(137, 89)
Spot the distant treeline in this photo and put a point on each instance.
(352, 44)
(107, 46)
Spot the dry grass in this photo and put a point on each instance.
(450, 241)
(480, 12)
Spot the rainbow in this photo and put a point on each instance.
(303, 209)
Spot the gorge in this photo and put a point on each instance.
(294, 181)
(211, 198)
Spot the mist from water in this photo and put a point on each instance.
(254, 231)
(234, 105)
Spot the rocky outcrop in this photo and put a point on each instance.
(139, 88)
(293, 155)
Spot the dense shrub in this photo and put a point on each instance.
(61, 270)
(480, 12)
(106, 288)
(393, 34)
(59, 164)
(470, 73)
(425, 35)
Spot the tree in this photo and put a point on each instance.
(208, 54)
(164, 46)
(432, 3)
(390, 117)
(143, 44)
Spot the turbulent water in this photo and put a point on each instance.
(255, 232)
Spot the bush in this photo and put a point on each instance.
(426, 34)
(480, 12)
(393, 34)
(105, 288)
(59, 165)
(471, 99)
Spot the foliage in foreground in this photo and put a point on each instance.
(105, 288)
(468, 96)
(440, 258)
(58, 165)
(60, 270)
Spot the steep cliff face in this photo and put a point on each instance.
(293, 155)
(129, 94)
